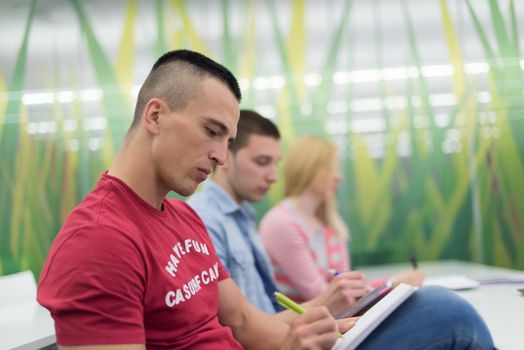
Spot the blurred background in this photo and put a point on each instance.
(423, 98)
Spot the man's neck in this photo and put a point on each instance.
(220, 178)
(133, 166)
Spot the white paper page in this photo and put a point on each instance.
(373, 317)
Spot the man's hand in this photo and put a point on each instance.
(315, 329)
(345, 324)
(343, 291)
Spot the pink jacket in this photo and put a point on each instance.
(301, 258)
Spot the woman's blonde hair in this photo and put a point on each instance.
(305, 158)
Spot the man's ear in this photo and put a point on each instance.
(151, 115)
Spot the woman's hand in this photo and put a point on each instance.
(415, 277)
(343, 291)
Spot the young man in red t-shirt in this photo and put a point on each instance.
(130, 269)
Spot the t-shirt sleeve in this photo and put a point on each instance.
(93, 285)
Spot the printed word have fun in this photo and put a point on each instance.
(179, 250)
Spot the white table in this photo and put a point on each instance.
(500, 305)
(25, 326)
(29, 326)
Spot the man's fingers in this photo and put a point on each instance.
(356, 287)
(315, 329)
(345, 324)
(312, 315)
(320, 341)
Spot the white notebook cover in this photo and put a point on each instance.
(373, 317)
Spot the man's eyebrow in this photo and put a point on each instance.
(223, 128)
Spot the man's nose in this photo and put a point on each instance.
(272, 175)
(219, 155)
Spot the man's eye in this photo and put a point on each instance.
(211, 132)
(262, 162)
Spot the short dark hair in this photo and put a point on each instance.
(252, 123)
(175, 77)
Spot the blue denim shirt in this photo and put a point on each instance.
(231, 226)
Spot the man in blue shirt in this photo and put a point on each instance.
(224, 205)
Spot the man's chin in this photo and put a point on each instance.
(186, 191)
(256, 199)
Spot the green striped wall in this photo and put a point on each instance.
(467, 203)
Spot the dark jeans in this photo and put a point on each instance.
(432, 318)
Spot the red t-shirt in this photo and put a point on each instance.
(122, 272)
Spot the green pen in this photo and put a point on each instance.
(291, 305)
(288, 303)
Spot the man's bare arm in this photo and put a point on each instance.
(254, 329)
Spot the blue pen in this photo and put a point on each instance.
(334, 272)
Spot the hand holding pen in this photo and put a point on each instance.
(367, 286)
(316, 319)
(343, 290)
(414, 276)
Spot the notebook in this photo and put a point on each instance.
(374, 316)
(366, 302)
(453, 282)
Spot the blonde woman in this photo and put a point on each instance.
(304, 234)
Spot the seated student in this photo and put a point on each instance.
(132, 270)
(223, 204)
(304, 234)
